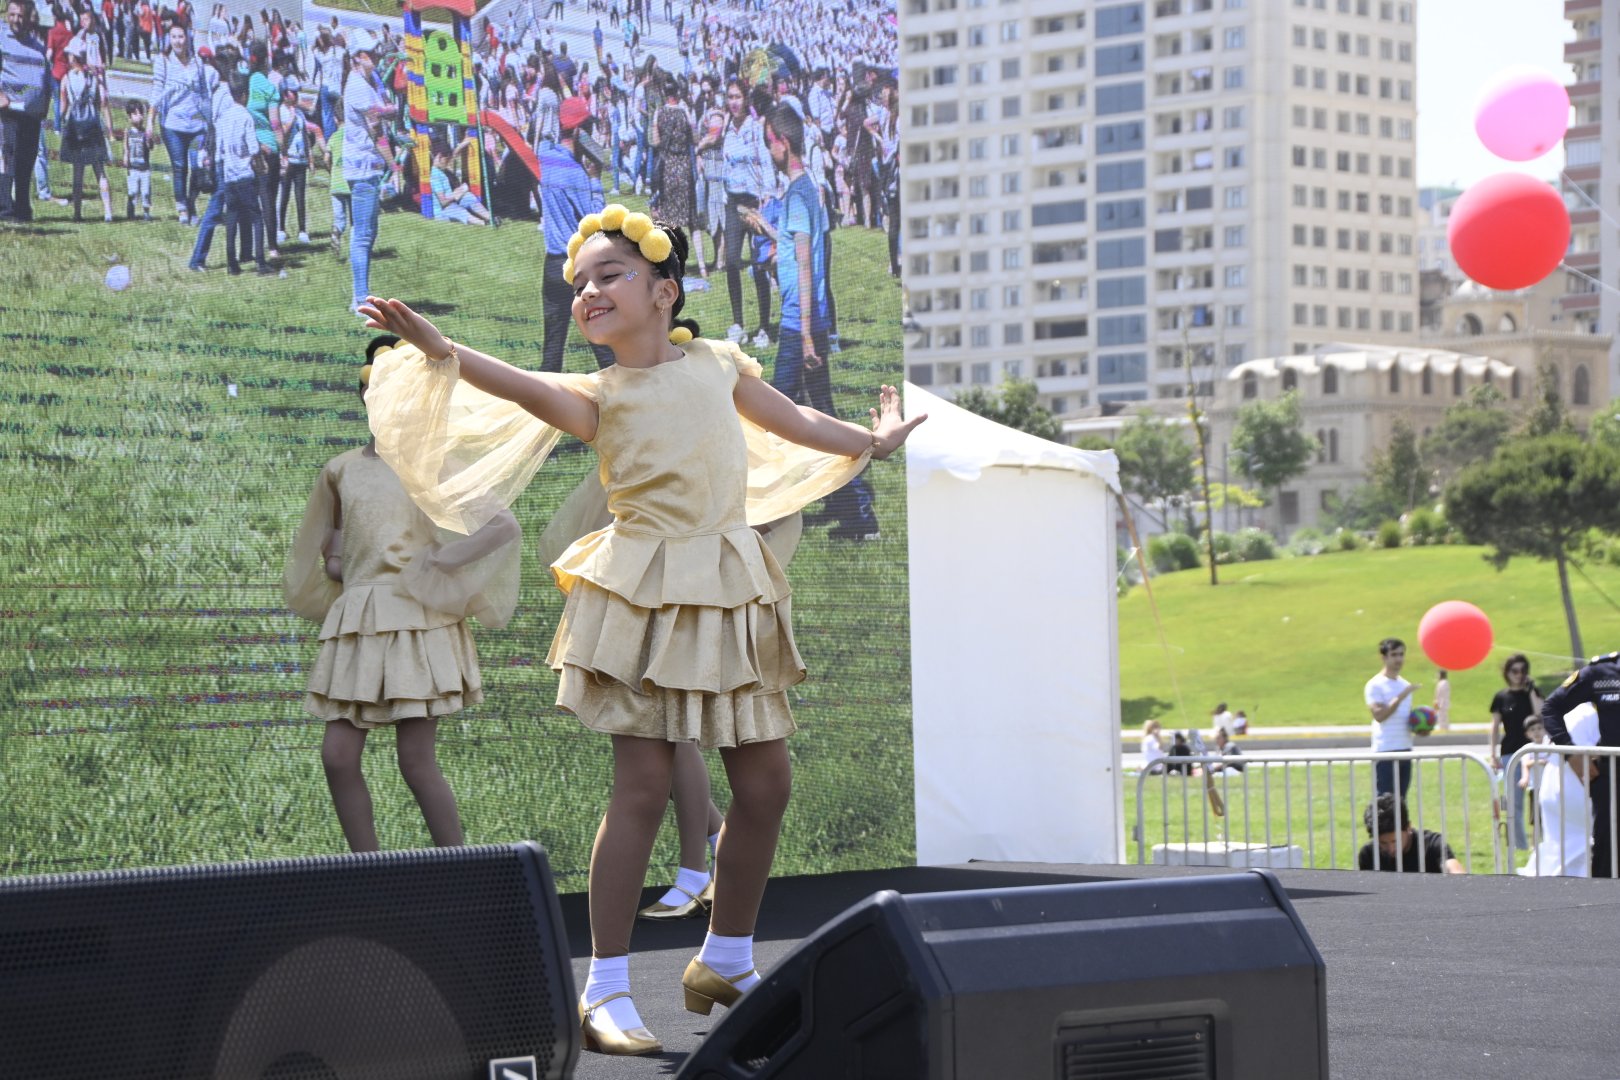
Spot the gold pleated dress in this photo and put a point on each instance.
(677, 623)
(394, 639)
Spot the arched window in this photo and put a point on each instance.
(1251, 386)
(1556, 377)
(1333, 444)
(1490, 378)
(1290, 379)
(1582, 392)
(1513, 386)
(1470, 326)
(1395, 377)
(1457, 381)
(1321, 446)
(1506, 324)
(1330, 379)
(1427, 380)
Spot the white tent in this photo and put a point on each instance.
(1014, 672)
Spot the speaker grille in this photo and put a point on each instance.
(1177, 1048)
(403, 965)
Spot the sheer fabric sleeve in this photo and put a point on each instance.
(470, 576)
(784, 477)
(462, 455)
(309, 592)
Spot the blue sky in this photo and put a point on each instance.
(1460, 45)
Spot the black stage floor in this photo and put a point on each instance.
(1429, 978)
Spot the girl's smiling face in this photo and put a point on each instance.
(617, 292)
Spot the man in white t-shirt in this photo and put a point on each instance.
(1389, 700)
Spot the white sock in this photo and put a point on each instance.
(693, 881)
(612, 976)
(731, 957)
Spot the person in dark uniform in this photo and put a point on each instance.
(1597, 684)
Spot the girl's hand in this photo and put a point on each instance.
(394, 317)
(890, 429)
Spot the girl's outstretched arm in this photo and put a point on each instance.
(765, 405)
(542, 394)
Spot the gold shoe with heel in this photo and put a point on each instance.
(705, 987)
(607, 1039)
(691, 909)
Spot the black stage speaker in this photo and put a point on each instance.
(426, 965)
(1182, 979)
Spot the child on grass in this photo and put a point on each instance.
(137, 161)
(393, 597)
(677, 623)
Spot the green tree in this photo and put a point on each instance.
(1538, 497)
(1606, 426)
(1470, 432)
(1398, 470)
(1269, 441)
(1155, 462)
(1092, 442)
(1547, 413)
(1016, 404)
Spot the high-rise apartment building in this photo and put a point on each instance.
(1091, 189)
(1592, 172)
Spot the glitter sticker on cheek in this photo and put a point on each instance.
(631, 276)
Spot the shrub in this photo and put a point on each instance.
(1307, 541)
(1348, 540)
(1389, 535)
(1424, 526)
(1256, 545)
(1171, 552)
(1225, 548)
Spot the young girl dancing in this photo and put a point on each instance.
(676, 626)
(393, 602)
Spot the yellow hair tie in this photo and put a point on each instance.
(680, 336)
(365, 375)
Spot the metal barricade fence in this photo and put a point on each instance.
(1335, 797)
(1559, 775)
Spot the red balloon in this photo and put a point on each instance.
(1509, 231)
(1455, 635)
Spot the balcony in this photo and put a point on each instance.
(1590, 88)
(1586, 261)
(1574, 7)
(1580, 301)
(1586, 47)
(1583, 131)
(1586, 215)
(1580, 174)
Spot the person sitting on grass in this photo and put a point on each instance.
(1401, 850)
(453, 201)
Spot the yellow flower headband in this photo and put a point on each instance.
(654, 242)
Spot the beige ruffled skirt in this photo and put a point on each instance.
(385, 658)
(687, 639)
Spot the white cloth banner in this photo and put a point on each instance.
(1015, 691)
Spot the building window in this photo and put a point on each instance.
(1457, 381)
(1288, 505)
(1290, 379)
(1426, 381)
(1581, 393)
(1333, 445)
(1251, 386)
(1012, 333)
(1395, 378)
(1330, 379)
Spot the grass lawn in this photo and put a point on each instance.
(1293, 641)
(150, 707)
(1320, 813)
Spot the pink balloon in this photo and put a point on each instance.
(1522, 114)
(1508, 231)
